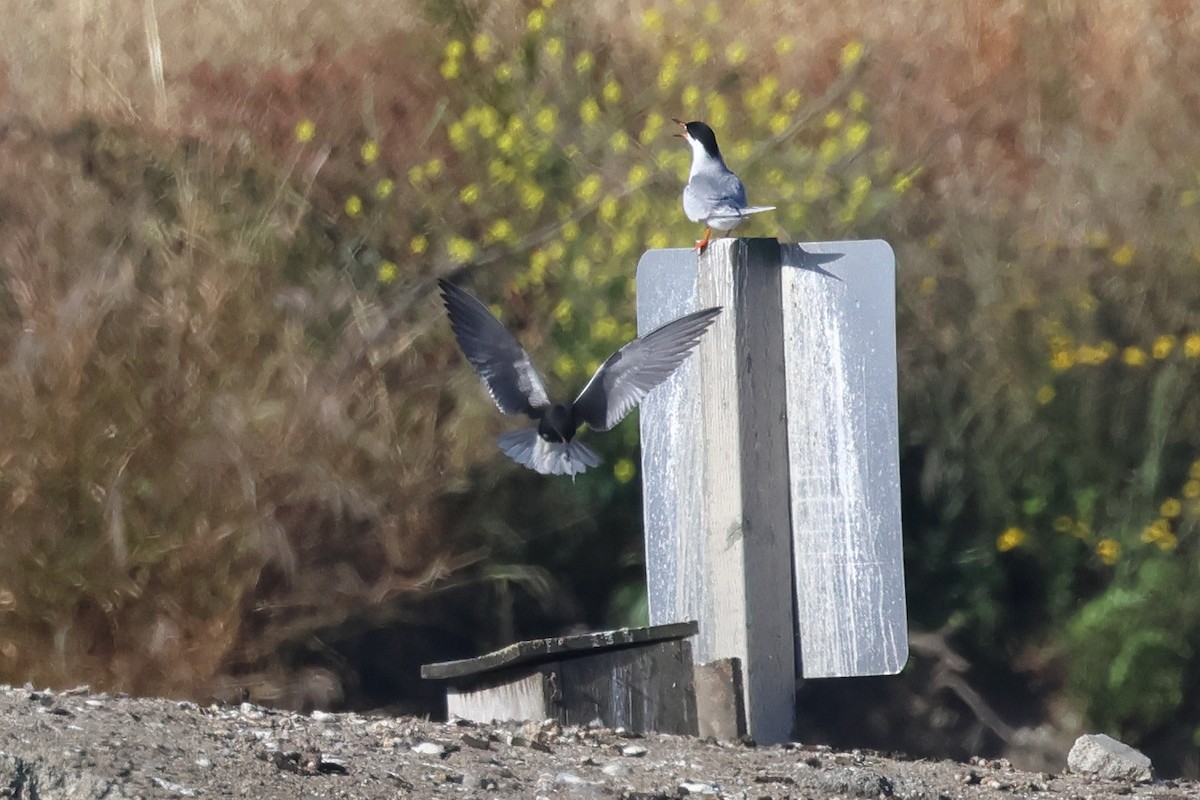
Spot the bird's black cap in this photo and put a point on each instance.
(704, 135)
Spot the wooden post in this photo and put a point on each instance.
(839, 322)
(714, 466)
(769, 463)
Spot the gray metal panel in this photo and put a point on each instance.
(714, 466)
(842, 420)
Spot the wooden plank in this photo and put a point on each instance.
(642, 689)
(508, 696)
(719, 710)
(714, 466)
(839, 318)
(540, 649)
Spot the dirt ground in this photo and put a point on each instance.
(80, 745)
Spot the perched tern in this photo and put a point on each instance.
(713, 195)
(515, 386)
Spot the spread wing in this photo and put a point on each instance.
(631, 372)
(499, 359)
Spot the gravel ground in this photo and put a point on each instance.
(80, 745)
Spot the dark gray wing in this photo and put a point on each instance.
(499, 359)
(628, 374)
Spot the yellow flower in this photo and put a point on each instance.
(1167, 543)
(532, 196)
(554, 47)
(1045, 394)
(455, 49)
(504, 73)
(1188, 198)
(386, 273)
(546, 120)
(608, 209)
(1011, 538)
(353, 206)
(1191, 489)
(570, 231)
(469, 194)
(1134, 356)
(736, 53)
(416, 174)
(1191, 345)
(584, 61)
(856, 134)
(450, 69)
(618, 142)
(791, 100)
(1162, 347)
(1109, 551)
(778, 123)
(623, 470)
(305, 131)
(638, 175)
(1123, 255)
(460, 249)
(562, 312)
(588, 188)
(852, 53)
(1063, 524)
(658, 241)
(1194, 470)
(928, 285)
(712, 13)
(833, 119)
(384, 188)
(589, 111)
(482, 45)
(564, 365)
(829, 149)
(418, 244)
(652, 19)
(1171, 508)
(1062, 360)
(536, 20)
(611, 92)
(857, 101)
(604, 328)
(701, 52)
(500, 231)
(784, 45)
(1092, 356)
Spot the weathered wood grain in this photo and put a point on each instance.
(839, 323)
(505, 697)
(719, 710)
(539, 649)
(714, 465)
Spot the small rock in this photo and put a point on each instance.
(476, 742)
(696, 787)
(633, 750)
(615, 770)
(321, 716)
(204, 762)
(1104, 756)
(429, 749)
(177, 789)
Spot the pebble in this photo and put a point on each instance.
(429, 749)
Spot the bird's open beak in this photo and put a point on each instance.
(683, 125)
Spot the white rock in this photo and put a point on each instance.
(635, 750)
(1104, 756)
(695, 787)
(429, 749)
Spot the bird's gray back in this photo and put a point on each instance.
(713, 194)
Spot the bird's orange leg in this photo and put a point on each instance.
(703, 243)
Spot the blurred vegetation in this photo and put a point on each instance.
(238, 441)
